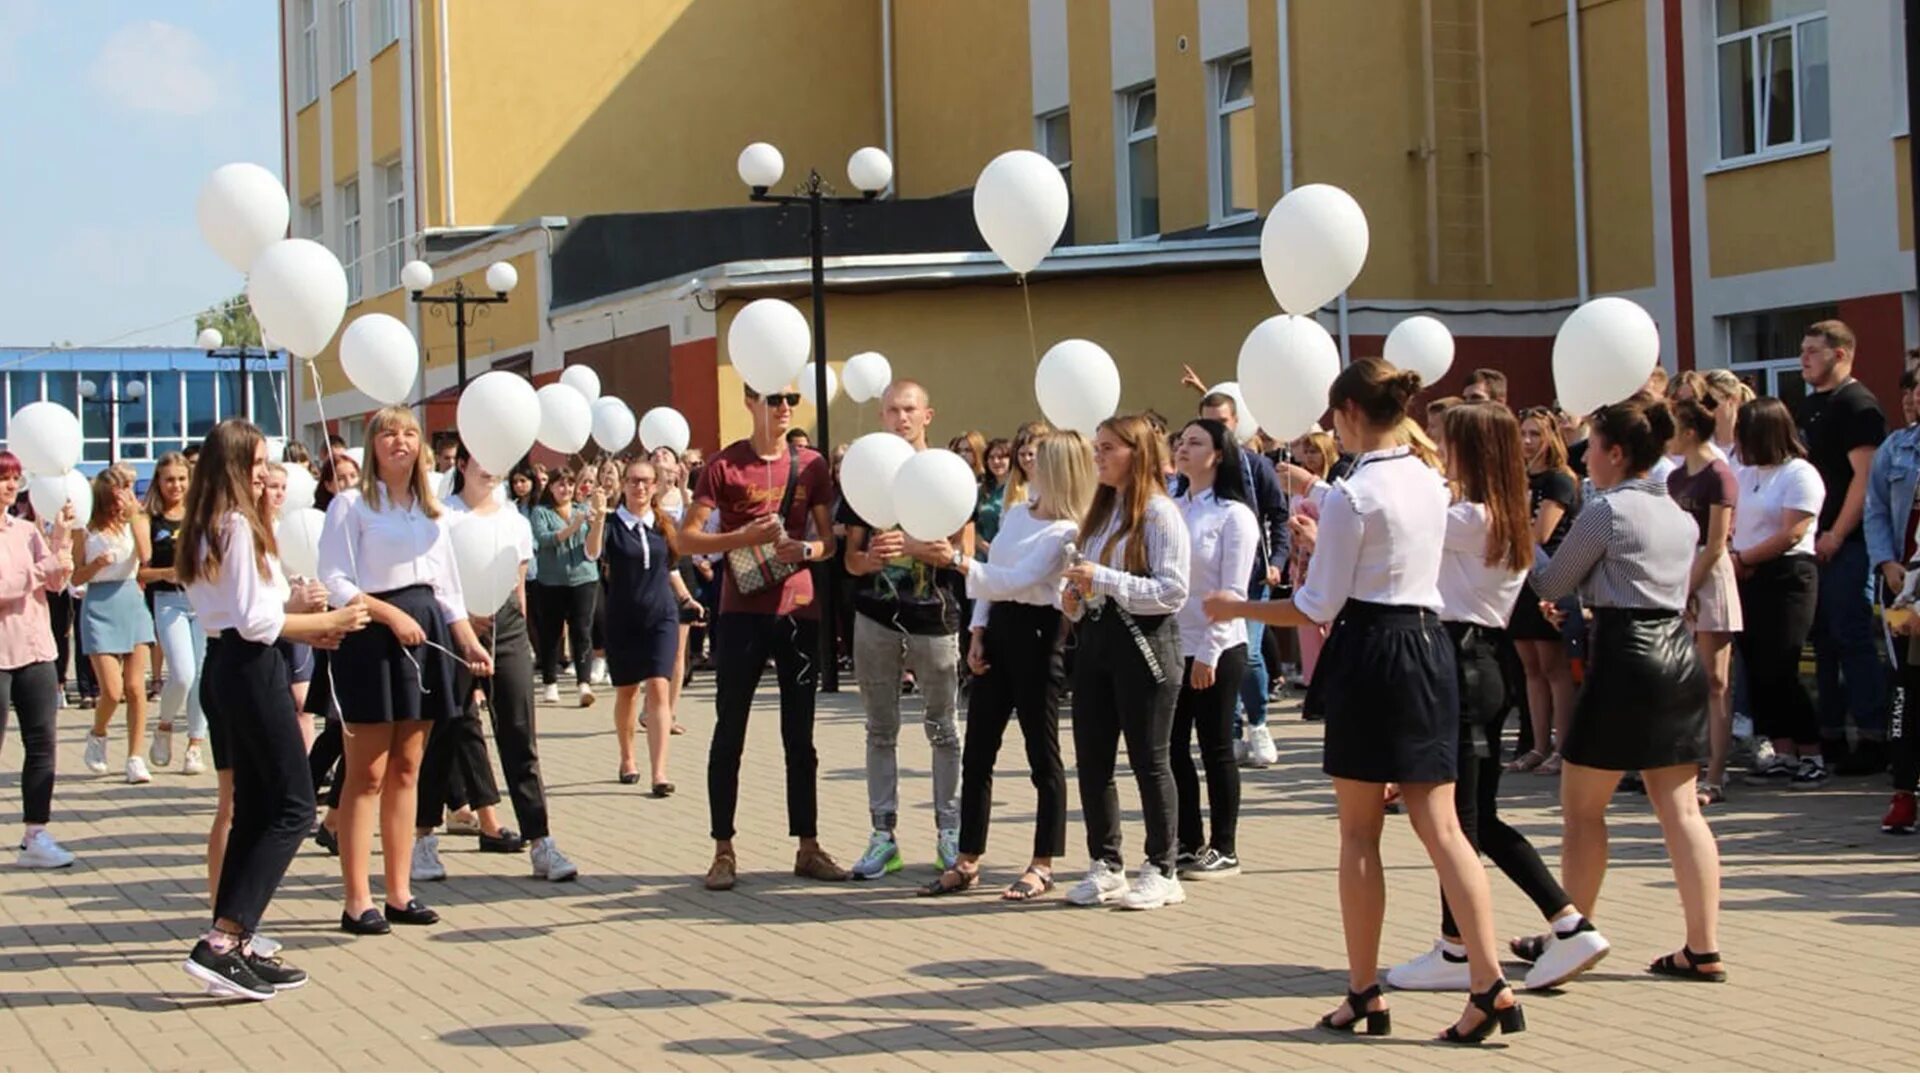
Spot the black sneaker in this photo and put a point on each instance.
(1184, 860)
(276, 972)
(1775, 770)
(507, 843)
(1811, 774)
(226, 974)
(1211, 864)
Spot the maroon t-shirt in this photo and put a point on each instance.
(740, 485)
(1700, 492)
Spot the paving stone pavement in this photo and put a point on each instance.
(636, 967)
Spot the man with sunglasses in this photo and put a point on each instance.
(747, 484)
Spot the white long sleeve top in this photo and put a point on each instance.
(1163, 588)
(1029, 556)
(1222, 538)
(1376, 538)
(375, 551)
(1470, 590)
(240, 597)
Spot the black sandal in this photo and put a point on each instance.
(1530, 949)
(1378, 1023)
(939, 886)
(1020, 891)
(1671, 968)
(1511, 1020)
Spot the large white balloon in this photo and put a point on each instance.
(484, 554)
(45, 436)
(809, 376)
(566, 419)
(299, 293)
(242, 208)
(865, 376)
(582, 378)
(47, 494)
(1421, 344)
(1312, 246)
(1603, 354)
(934, 494)
(1245, 426)
(380, 357)
(498, 417)
(1020, 205)
(1287, 364)
(867, 474)
(613, 424)
(298, 534)
(301, 488)
(1078, 386)
(664, 426)
(768, 343)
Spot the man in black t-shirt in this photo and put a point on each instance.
(1842, 425)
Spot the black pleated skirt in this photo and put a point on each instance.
(1387, 689)
(1644, 702)
(377, 680)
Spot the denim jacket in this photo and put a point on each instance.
(1890, 487)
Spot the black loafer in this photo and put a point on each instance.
(368, 924)
(629, 777)
(326, 838)
(507, 843)
(661, 791)
(414, 914)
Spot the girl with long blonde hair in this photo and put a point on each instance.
(116, 630)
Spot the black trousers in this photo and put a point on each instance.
(569, 608)
(455, 770)
(1025, 677)
(34, 693)
(244, 692)
(63, 609)
(1903, 728)
(1777, 606)
(1209, 714)
(1485, 697)
(1115, 697)
(742, 644)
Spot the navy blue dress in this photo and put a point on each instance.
(643, 618)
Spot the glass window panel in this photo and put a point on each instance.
(95, 451)
(64, 387)
(1145, 112)
(1238, 164)
(1238, 85)
(23, 388)
(1057, 134)
(1780, 100)
(133, 414)
(1773, 335)
(229, 384)
(266, 402)
(96, 416)
(1815, 104)
(200, 406)
(1736, 98)
(1143, 185)
(163, 390)
(1737, 15)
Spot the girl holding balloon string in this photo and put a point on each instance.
(32, 567)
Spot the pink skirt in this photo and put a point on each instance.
(1716, 603)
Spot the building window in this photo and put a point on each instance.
(268, 413)
(1764, 349)
(386, 23)
(313, 223)
(350, 236)
(1055, 135)
(169, 423)
(1142, 174)
(344, 38)
(393, 227)
(96, 416)
(1235, 167)
(201, 411)
(1773, 75)
(308, 72)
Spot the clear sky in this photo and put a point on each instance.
(115, 113)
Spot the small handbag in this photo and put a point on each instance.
(755, 569)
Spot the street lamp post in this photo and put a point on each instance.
(870, 170)
(211, 340)
(466, 305)
(136, 393)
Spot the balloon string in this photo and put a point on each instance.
(1027, 297)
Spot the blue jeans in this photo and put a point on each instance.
(1253, 687)
(1846, 663)
(185, 648)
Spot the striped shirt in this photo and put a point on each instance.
(1630, 547)
(1163, 588)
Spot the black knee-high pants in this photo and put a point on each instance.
(1115, 697)
(33, 694)
(1025, 677)
(568, 608)
(251, 719)
(455, 769)
(1208, 714)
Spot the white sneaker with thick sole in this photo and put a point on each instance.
(1568, 955)
(426, 859)
(1102, 885)
(550, 695)
(1435, 969)
(586, 696)
(42, 852)
(191, 763)
(598, 676)
(1153, 889)
(137, 772)
(1261, 751)
(160, 748)
(95, 755)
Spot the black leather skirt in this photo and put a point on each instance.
(1644, 702)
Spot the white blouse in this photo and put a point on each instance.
(1223, 538)
(1470, 590)
(240, 597)
(1163, 589)
(1029, 557)
(1767, 492)
(1375, 541)
(118, 544)
(375, 551)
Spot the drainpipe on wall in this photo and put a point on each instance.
(1579, 148)
(886, 87)
(1346, 341)
(1283, 10)
(446, 120)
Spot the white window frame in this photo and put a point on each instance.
(346, 37)
(1219, 74)
(385, 27)
(1126, 101)
(313, 219)
(308, 65)
(1045, 146)
(1753, 37)
(393, 226)
(350, 236)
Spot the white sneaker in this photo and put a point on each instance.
(1153, 889)
(1568, 955)
(137, 772)
(160, 748)
(42, 852)
(586, 696)
(426, 859)
(95, 755)
(598, 676)
(1261, 751)
(191, 764)
(1102, 885)
(1435, 969)
(549, 863)
(946, 848)
(551, 695)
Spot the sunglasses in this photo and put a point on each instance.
(789, 400)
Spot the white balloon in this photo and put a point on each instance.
(768, 343)
(867, 474)
(498, 417)
(242, 208)
(664, 426)
(45, 436)
(301, 488)
(1312, 246)
(358, 454)
(209, 339)
(298, 534)
(865, 376)
(1603, 354)
(1420, 344)
(582, 378)
(47, 494)
(808, 377)
(1245, 426)
(380, 357)
(299, 293)
(613, 424)
(1287, 365)
(1020, 205)
(484, 554)
(934, 494)
(1078, 386)
(566, 420)
(80, 494)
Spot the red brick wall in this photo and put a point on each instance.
(1880, 330)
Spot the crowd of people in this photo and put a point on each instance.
(1634, 586)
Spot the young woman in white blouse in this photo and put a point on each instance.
(385, 545)
(230, 567)
(1129, 582)
(1388, 691)
(116, 629)
(1223, 537)
(1016, 656)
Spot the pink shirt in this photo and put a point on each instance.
(28, 568)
